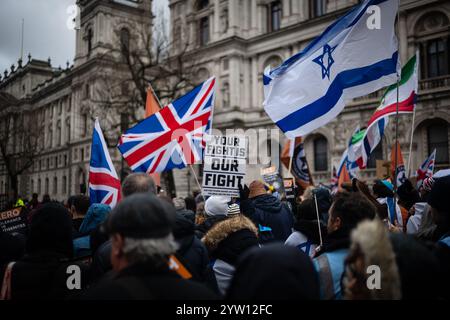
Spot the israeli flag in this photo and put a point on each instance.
(356, 55)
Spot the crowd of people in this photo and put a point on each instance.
(256, 246)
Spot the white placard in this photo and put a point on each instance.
(224, 165)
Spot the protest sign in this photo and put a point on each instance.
(272, 178)
(224, 167)
(13, 220)
(289, 188)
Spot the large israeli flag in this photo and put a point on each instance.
(356, 55)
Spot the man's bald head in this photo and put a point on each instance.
(138, 183)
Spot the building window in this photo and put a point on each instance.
(226, 95)
(89, 37)
(274, 16)
(64, 185)
(438, 139)
(437, 58)
(317, 8)
(46, 185)
(204, 31)
(320, 154)
(39, 186)
(377, 154)
(84, 125)
(124, 41)
(82, 154)
(202, 4)
(32, 185)
(55, 185)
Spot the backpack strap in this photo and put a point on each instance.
(5, 293)
(326, 278)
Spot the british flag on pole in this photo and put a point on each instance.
(174, 136)
(104, 184)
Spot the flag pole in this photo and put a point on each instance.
(196, 178)
(318, 220)
(411, 142)
(154, 94)
(413, 121)
(396, 116)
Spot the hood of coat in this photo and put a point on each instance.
(95, 216)
(184, 232)
(222, 230)
(267, 203)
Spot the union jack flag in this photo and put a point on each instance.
(426, 169)
(104, 184)
(172, 137)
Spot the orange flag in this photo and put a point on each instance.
(152, 107)
(343, 177)
(398, 172)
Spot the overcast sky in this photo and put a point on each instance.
(46, 32)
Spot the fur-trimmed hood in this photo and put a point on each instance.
(228, 239)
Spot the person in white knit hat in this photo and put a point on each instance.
(216, 209)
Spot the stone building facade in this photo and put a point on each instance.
(236, 39)
(66, 100)
(233, 40)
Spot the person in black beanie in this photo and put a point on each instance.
(306, 235)
(274, 272)
(142, 249)
(439, 201)
(42, 272)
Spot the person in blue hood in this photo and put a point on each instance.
(273, 218)
(95, 216)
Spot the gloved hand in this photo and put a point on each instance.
(244, 192)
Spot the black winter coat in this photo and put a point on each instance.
(145, 281)
(266, 211)
(191, 250)
(42, 276)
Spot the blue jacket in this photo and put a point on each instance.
(330, 264)
(95, 216)
(273, 218)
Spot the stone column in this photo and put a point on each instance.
(403, 39)
(233, 16)
(254, 16)
(285, 12)
(216, 33)
(254, 91)
(234, 81)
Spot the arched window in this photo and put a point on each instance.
(320, 154)
(274, 22)
(204, 31)
(434, 50)
(273, 61)
(55, 185)
(47, 185)
(64, 185)
(124, 41)
(437, 134)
